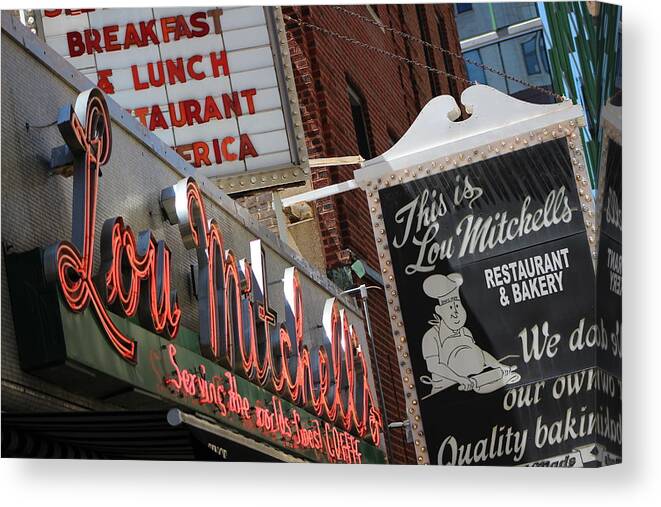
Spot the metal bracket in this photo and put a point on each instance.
(61, 161)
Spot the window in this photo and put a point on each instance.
(512, 13)
(393, 138)
(374, 12)
(429, 56)
(475, 20)
(529, 50)
(523, 56)
(618, 60)
(541, 47)
(475, 73)
(447, 58)
(360, 124)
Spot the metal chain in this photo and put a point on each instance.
(451, 53)
(383, 52)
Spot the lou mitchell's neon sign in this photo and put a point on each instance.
(238, 329)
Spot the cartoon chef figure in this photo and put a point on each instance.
(449, 348)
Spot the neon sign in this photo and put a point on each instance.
(270, 418)
(238, 329)
(86, 130)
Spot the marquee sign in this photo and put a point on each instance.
(246, 366)
(213, 83)
(486, 236)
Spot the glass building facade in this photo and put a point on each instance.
(508, 38)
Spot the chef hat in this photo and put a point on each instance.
(438, 286)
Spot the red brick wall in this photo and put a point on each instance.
(393, 94)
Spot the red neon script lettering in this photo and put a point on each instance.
(87, 131)
(207, 392)
(239, 331)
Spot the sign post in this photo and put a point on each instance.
(485, 230)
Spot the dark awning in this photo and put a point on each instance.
(152, 435)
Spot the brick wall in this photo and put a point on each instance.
(393, 94)
(260, 207)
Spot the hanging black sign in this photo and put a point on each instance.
(609, 275)
(609, 265)
(496, 288)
